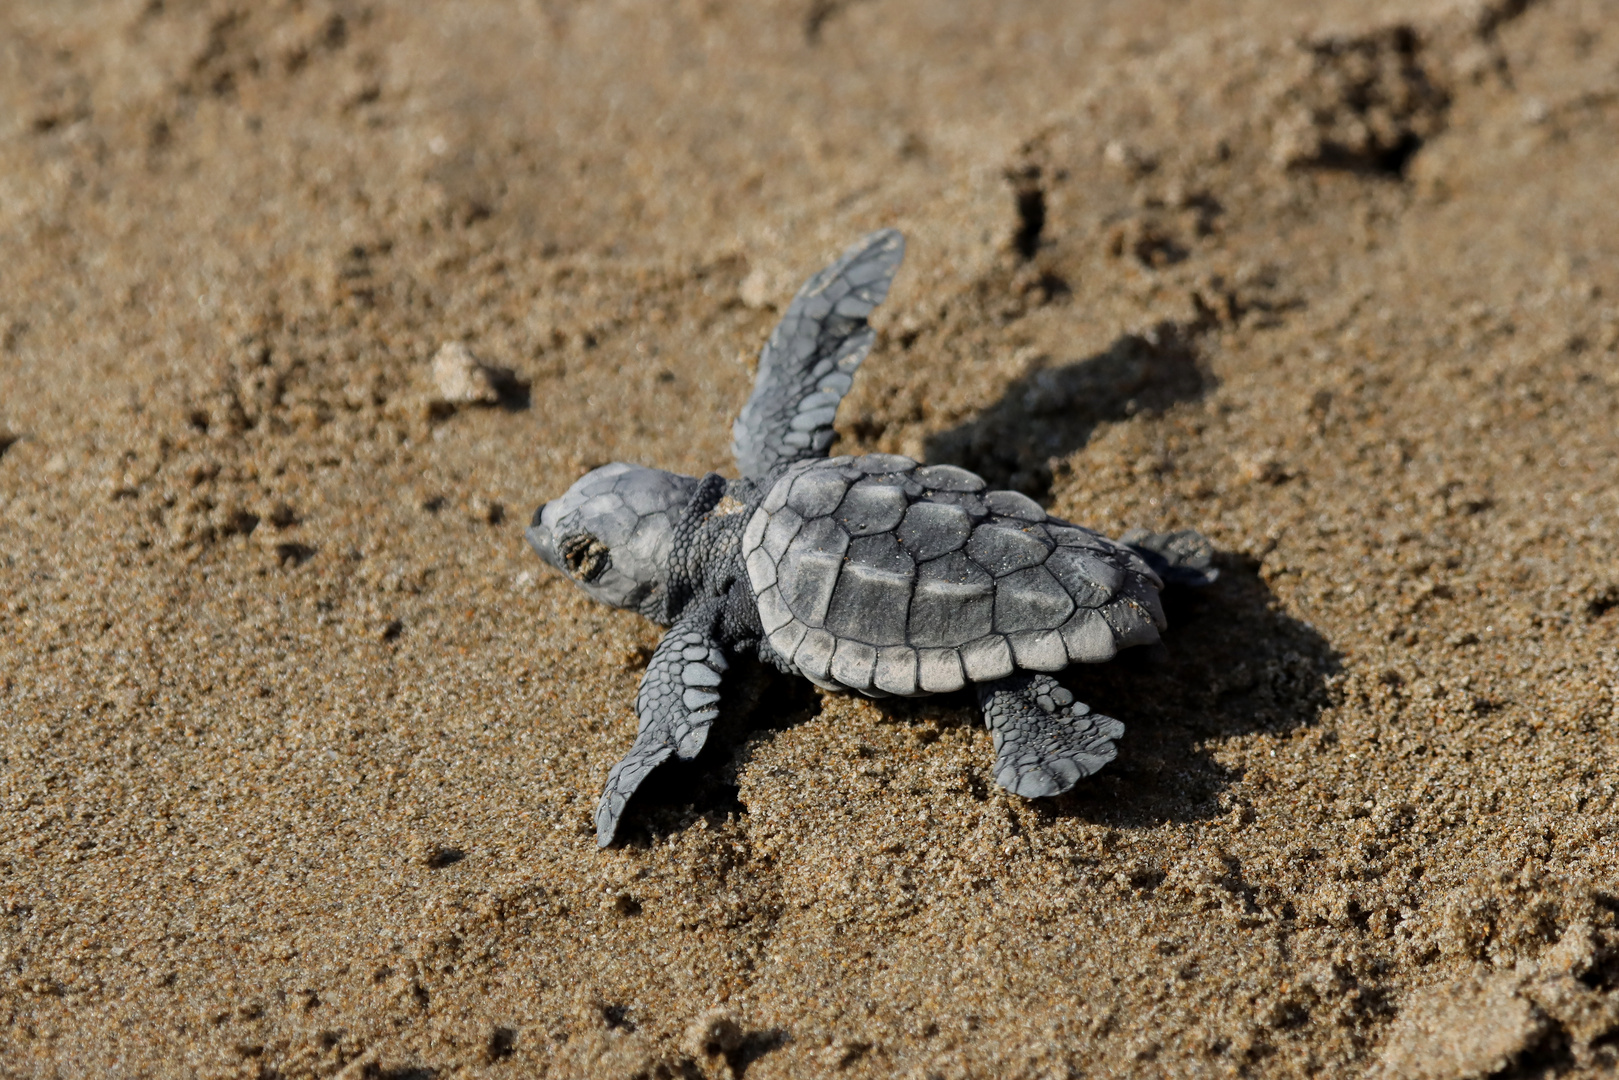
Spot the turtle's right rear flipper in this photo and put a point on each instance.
(1045, 741)
(1183, 558)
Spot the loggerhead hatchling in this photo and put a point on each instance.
(873, 573)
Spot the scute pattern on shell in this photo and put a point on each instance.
(880, 575)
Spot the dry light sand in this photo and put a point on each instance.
(299, 741)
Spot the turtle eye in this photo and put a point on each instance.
(586, 556)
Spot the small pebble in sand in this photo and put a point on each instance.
(462, 379)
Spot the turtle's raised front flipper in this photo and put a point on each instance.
(810, 360)
(678, 701)
(1044, 739)
(1179, 558)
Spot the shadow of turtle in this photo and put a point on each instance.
(1232, 664)
(1051, 411)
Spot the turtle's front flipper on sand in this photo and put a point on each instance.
(678, 702)
(809, 362)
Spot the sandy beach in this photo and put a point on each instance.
(299, 741)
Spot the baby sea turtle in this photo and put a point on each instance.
(873, 573)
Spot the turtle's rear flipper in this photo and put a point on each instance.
(1180, 558)
(1045, 741)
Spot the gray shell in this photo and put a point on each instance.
(880, 575)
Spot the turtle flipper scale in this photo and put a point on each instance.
(1045, 741)
(809, 362)
(677, 703)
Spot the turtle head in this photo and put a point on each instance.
(613, 531)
